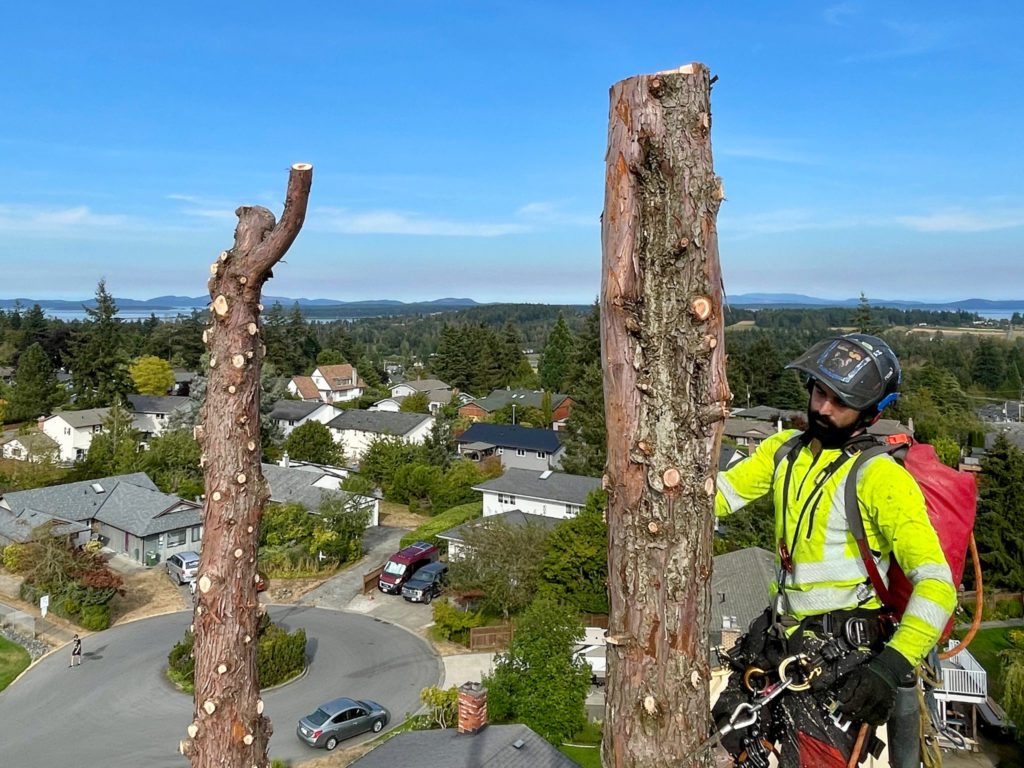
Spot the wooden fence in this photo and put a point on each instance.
(490, 638)
(370, 580)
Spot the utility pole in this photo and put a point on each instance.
(666, 399)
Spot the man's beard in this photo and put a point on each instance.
(828, 434)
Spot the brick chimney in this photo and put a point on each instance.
(472, 707)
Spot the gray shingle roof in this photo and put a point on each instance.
(740, 587)
(128, 502)
(290, 485)
(491, 747)
(17, 528)
(294, 410)
(423, 385)
(378, 422)
(513, 518)
(499, 398)
(90, 417)
(557, 486)
(155, 404)
(512, 436)
(33, 441)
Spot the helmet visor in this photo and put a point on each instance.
(843, 361)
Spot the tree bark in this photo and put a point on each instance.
(666, 398)
(229, 727)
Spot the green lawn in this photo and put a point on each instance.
(13, 661)
(585, 757)
(986, 647)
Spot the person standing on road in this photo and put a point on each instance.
(76, 652)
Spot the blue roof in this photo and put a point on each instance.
(512, 436)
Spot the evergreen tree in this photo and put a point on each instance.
(585, 438)
(575, 565)
(862, 319)
(988, 366)
(99, 364)
(35, 391)
(117, 449)
(556, 359)
(999, 527)
(312, 441)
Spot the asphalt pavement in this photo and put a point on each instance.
(118, 710)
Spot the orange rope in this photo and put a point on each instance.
(858, 746)
(978, 605)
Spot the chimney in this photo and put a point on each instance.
(472, 707)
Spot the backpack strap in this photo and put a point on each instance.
(856, 523)
(787, 449)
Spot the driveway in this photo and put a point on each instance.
(118, 710)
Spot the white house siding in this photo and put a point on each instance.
(387, 405)
(543, 507)
(402, 390)
(323, 415)
(518, 458)
(355, 442)
(152, 424)
(74, 443)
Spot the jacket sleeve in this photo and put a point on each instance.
(892, 500)
(749, 479)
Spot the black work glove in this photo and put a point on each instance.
(868, 693)
(722, 711)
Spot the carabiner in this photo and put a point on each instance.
(755, 679)
(809, 675)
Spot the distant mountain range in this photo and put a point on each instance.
(747, 300)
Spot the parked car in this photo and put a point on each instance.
(426, 583)
(403, 564)
(341, 719)
(183, 566)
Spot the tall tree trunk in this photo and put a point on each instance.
(229, 728)
(666, 398)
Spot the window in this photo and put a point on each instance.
(505, 498)
(572, 510)
(176, 538)
(520, 451)
(541, 455)
(500, 450)
(197, 533)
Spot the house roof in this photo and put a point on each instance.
(128, 502)
(33, 441)
(18, 527)
(884, 427)
(768, 413)
(181, 376)
(556, 486)
(492, 747)
(513, 518)
(378, 422)
(740, 587)
(154, 404)
(338, 377)
(735, 427)
(423, 385)
(534, 398)
(306, 387)
(290, 485)
(90, 417)
(295, 410)
(512, 436)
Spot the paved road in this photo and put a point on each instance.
(118, 710)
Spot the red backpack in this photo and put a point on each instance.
(951, 499)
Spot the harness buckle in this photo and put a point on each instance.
(856, 632)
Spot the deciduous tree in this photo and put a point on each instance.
(313, 442)
(152, 375)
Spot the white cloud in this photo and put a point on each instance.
(388, 222)
(962, 220)
(59, 222)
(552, 213)
(756, 150)
(205, 209)
(783, 220)
(838, 14)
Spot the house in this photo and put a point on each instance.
(127, 513)
(354, 430)
(150, 414)
(740, 591)
(183, 381)
(768, 413)
(6, 374)
(310, 484)
(962, 697)
(455, 537)
(480, 410)
(290, 414)
(332, 383)
(73, 431)
(35, 446)
(517, 447)
(548, 494)
(438, 395)
(749, 433)
(473, 744)
(887, 427)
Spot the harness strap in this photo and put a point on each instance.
(856, 523)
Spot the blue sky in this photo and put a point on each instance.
(459, 146)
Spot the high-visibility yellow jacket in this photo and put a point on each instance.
(827, 572)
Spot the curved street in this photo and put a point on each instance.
(118, 710)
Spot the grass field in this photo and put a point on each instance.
(986, 647)
(586, 757)
(13, 661)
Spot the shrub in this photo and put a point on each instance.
(451, 623)
(15, 558)
(443, 522)
(96, 617)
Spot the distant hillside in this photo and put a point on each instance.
(163, 303)
(799, 301)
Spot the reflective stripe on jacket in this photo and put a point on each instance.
(827, 571)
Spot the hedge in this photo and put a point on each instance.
(76, 604)
(443, 522)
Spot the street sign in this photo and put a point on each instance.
(44, 605)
